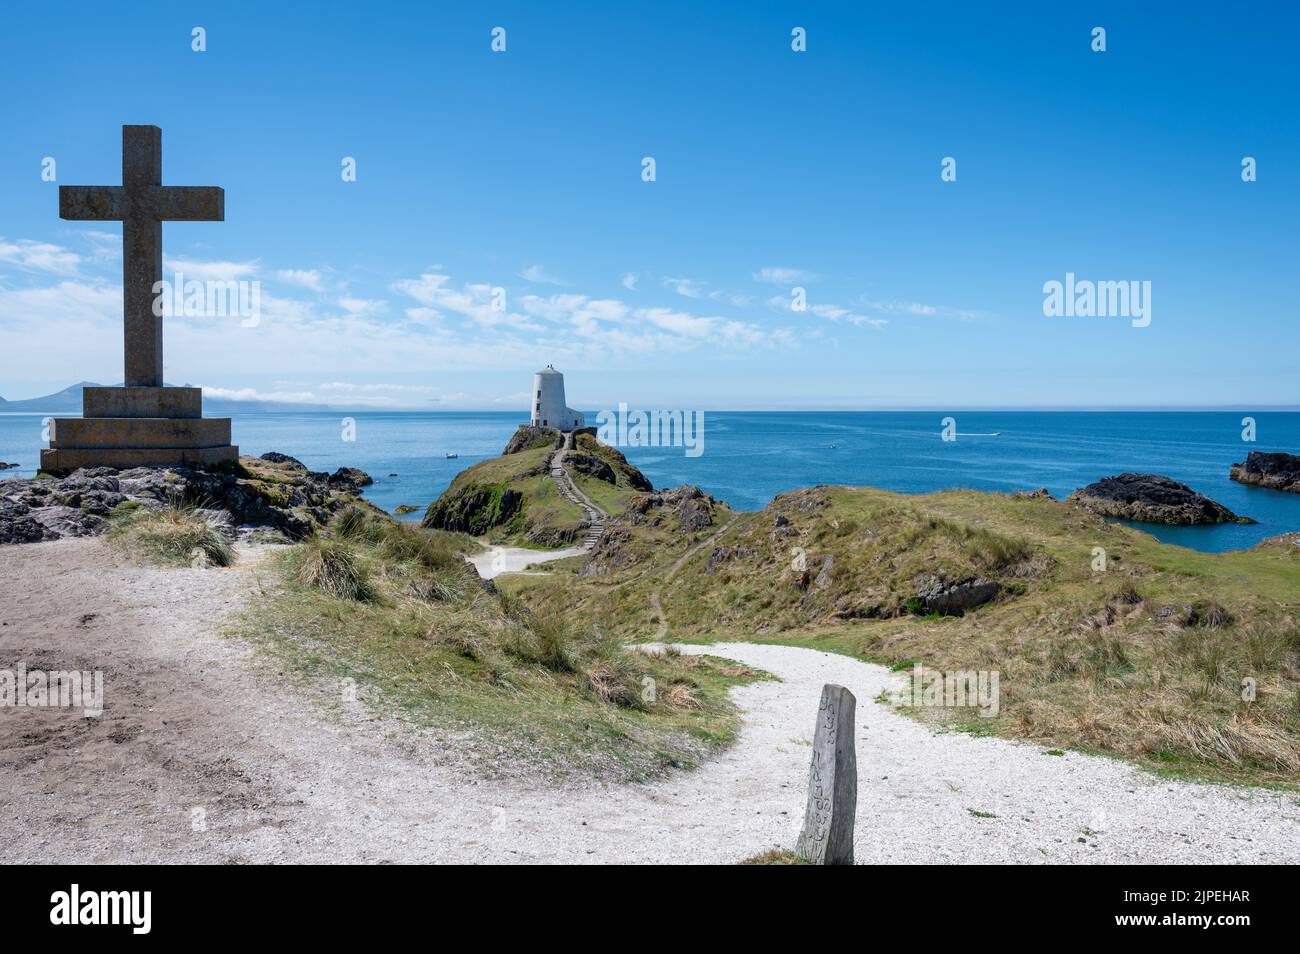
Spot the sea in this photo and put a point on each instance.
(749, 457)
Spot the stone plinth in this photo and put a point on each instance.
(142, 402)
(139, 427)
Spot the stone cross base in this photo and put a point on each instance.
(139, 427)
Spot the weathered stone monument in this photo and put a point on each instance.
(827, 836)
(142, 423)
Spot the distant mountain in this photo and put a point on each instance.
(68, 401)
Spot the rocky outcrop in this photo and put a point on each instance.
(475, 509)
(1039, 494)
(274, 491)
(4, 466)
(1151, 498)
(935, 594)
(684, 510)
(590, 466)
(527, 437)
(1274, 471)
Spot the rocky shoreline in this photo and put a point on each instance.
(1152, 498)
(273, 494)
(1274, 471)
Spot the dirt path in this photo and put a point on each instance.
(189, 723)
(656, 602)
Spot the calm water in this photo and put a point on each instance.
(751, 456)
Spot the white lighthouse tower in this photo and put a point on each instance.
(549, 409)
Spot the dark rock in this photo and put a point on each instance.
(17, 524)
(528, 437)
(721, 555)
(275, 457)
(1151, 498)
(591, 466)
(351, 479)
(60, 521)
(938, 595)
(474, 509)
(1275, 471)
(1039, 494)
(824, 575)
(4, 466)
(1184, 615)
(276, 492)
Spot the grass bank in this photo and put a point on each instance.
(399, 612)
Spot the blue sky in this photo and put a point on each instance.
(522, 170)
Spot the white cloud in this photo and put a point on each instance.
(630, 280)
(686, 287)
(363, 306)
(203, 271)
(535, 273)
(830, 312)
(473, 301)
(303, 278)
(776, 275)
(39, 256)
(925, 311)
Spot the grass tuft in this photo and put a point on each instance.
(171, 535)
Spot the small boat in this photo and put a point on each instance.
(451, 455)
(832, 446)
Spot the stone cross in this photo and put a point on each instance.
(827, 836)
(141, 203)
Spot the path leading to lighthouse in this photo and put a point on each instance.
(193, 730)
(496, 560)
(596, 516)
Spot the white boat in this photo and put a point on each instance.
(452, 455)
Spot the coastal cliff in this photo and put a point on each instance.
(1274, 471)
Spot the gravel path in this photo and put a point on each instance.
(496, 560)
(190, 724)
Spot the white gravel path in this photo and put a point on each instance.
(496, 560)
(189, 723)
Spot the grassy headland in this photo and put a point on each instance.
(1184, 661)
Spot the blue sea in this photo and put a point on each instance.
(751, 456)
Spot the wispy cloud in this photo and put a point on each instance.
(39, 257)
(700, 290)
(363, 306)
(204, 271)
(630, 280)
(924, 311)
(536, 273)
(777, 275)
(830, 312)
(309, 278)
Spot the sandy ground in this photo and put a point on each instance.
(496, 560)
(189, 723)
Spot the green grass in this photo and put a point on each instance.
(1085, 662)
(515, 689)
(171, 535)
(776, 856)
